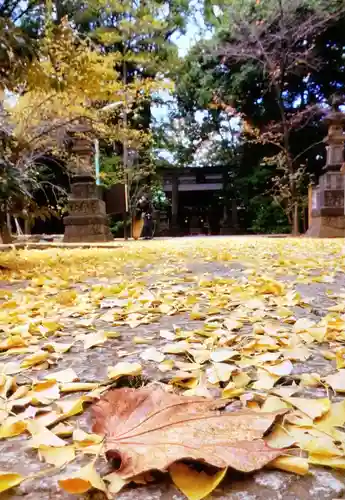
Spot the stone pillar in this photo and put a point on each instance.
(174, 205)
(229, 225)
(225, 226)
(327, 213)
(234, 214)
(87, 220)
(310, 205)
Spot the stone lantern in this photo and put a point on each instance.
(327, 212)
(86, 220)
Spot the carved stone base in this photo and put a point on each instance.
(87, 233)
(87, 220)
(327, 227)
(228, 230)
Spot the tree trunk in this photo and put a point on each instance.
(5, 233)
(27, 227)
(295, 223)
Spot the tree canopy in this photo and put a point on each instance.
(273, 65)
(248, 97)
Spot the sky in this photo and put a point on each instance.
(183, 43)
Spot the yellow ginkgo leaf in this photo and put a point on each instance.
(272, 287)
(200, 391)
(124, 369)
(12, 427)
(280, 369)
(34, 359)
(265, 380)
(310, 379)
(45, 438)
(273, 403)
(13, 341)
(166, 365)
(49, 327)
(185, 380)
(334, 462)
(166, 334)
(231, 391)
(297, 465)
(141, 340)
(329, 355)
(43, 385)
(240, 379)
(195, 485)
(187, 367)
(340, 357)
(264, 342)
(298, 353)
(303, 325)
(12, 368)
(94, 339)
(63, 376)
(336, 381)
(232, 324)
(60, 348)
(83, 481)
(197, 315)
(223, 354)
(9, 480)
(57, 456)
(63, 430)
(314, 408)
(71, 407)
(47, 419)
(220, 372)
(200, 356)
(280, 438)
(285, 392)
(255, 304)
(318, 333)
(78, 386)
(335, 417)
(6, 383)
(177, 348)
(322, 446)
(19, 393)
(85, 439)
(152, 354)
(116, 482)
(45, 395)
(67, 297)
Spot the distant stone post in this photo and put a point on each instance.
(327, 214)
(174, 205)
(86, 220)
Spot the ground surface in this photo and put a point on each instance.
(279, 303)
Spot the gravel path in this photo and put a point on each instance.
(200, 280)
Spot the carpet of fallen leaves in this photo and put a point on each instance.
(258, 321)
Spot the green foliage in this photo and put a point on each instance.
(268, 217)
(158, 198)
(263, 68)
(117, 227)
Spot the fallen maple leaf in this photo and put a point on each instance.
(149, 428)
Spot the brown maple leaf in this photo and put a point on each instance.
(149, 428)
